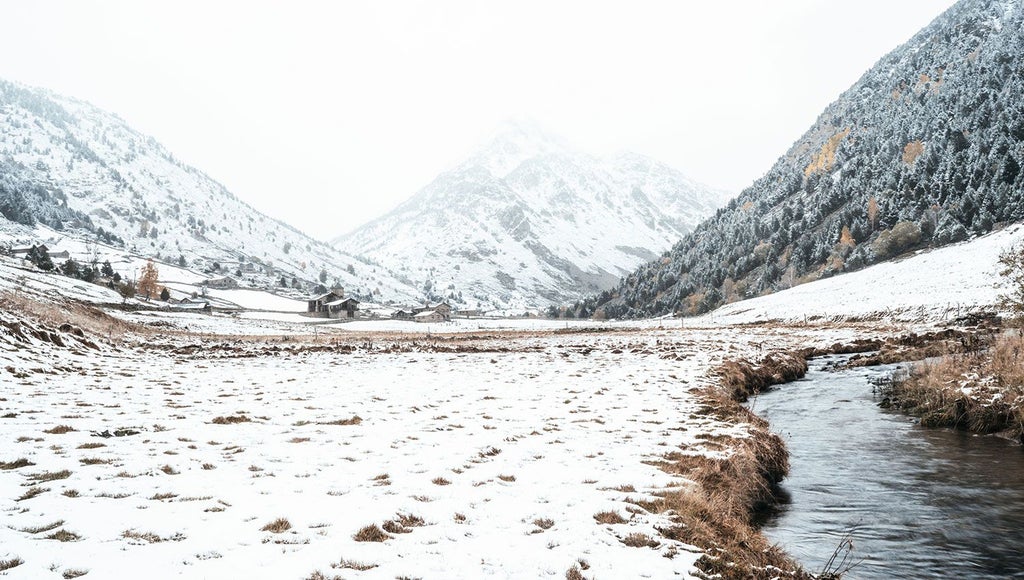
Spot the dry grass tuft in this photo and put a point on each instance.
(354, 420)
(95, 461)
(344, 564)
(43, 528)
(64, 536)
(70, 493)
(574, 573)
(60, 430)
(277, 526)
(169, 470)
(544, 523)
(74, 573)
(980, 391)
(150, 537)
(371, 533)
(395, 527)
(91, 445)
(49, 475)
(231, 420)
(507, 478)
(440, 481)
(609, 518)
(638, 540)
(716, 514)
(12, 563)
(32, 492)
(16, 464)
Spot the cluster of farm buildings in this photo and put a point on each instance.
(334, 304)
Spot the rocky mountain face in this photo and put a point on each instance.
(73, 167)
(924, 150)
(529, 221)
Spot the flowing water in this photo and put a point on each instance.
(918, 503)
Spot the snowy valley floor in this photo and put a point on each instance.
(485, 456)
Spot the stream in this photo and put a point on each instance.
(918, 503)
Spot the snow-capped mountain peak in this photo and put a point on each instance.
(527, 221)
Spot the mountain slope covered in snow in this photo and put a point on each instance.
(924, 150)
(529, 221)
(73, 167)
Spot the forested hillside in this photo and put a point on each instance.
(924, 150)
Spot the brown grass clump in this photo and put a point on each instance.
(16, 464)
(574, 573)
(94, 461)
(12, 563)
(395, 527)
(544, 523)
(74, 573)
(63, 535)
(352, 565)
(277, 526)
(980, 391)
(371, 533)
(440, 481)
(150, 537)
(33, 492)
(231, 420)
(59, 430)
(70, 493)
(91, 445)
(50, 475)
(354, 420)
(43, 528)
(743, 378)
(507, 478)
(609, 518)
(638, 540)
(716, 513)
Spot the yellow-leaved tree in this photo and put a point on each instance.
(148, 280)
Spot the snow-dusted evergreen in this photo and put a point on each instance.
(73, 167)
(529, 221)
(924, 150)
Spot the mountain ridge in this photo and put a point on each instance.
(922, 151)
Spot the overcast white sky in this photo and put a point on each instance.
(356, 105)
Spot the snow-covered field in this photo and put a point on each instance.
(505, 449)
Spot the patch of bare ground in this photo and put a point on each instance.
(981, 391)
